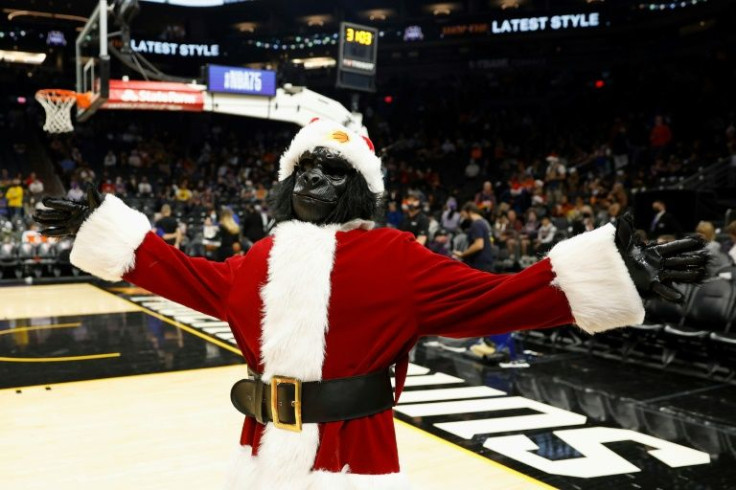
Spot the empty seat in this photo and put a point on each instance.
(728, 273)
(723, 349)
(709, 310)
(711, 305)
(645, 340)
(27, 253)
(661, 311)
(8, 254)
(46, 252)
(625, 411)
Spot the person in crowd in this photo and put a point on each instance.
(253, 228)
(167, 227)
(110, 160)
(731, 230)
(717, 260)
(32, 235)
(210, 237)
(183, 194)
(35, 187)
(108, 187)
(486, 199)
(144, 187)
(440, 243)
(528, 233)
(14, 196)
(660, 136)
(394, 216)
(545, 235)
(415, 221)
(472, 169)
(618, 196)
(121, 188)
(261, 192)
(555, 173)
(229, 234)
(134, 160)
(620, 146)
(663, 223)
(479, 254)
(450, 216)
(75, 192)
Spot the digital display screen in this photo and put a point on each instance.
(236, 80)
(358, 48)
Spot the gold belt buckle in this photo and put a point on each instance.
(296, 404)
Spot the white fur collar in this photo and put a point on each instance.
(295, 321)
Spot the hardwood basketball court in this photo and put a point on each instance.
(173, 429)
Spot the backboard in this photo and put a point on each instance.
(93, 61)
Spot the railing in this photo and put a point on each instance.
(719, 174)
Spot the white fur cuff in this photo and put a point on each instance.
(106, 242)
(593, 276)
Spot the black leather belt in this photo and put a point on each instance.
(289, 402)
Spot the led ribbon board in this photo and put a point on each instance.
(236, 80)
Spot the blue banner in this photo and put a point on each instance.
(236, 80)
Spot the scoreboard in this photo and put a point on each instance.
(356, 68)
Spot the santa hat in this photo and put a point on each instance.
(356, 149)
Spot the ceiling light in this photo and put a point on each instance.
(509, 4)
(14, 13)
(246, 26)
(22, 57)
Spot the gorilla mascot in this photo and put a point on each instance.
(325, 305)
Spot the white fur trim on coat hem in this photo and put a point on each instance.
(106, 242)
(246, 473)
(595, 280)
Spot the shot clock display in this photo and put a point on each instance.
(357, 60)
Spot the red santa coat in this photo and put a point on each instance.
(322, 302)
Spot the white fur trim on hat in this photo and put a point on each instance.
(595, 280)
(347, 143)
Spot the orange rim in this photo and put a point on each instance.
(58, 94)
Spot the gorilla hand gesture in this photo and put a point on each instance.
(65, 216)
(653, 268)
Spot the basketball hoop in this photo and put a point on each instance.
(58, 103)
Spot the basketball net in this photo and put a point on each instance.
(57, 103)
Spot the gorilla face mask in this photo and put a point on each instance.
(321, 179)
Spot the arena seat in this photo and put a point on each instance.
(709, 311)
(661, 423)
(705, 437)
(557, 393)
(528, 386)
(625, 411)
(134, 203)
(723, 349)
(46, 257)
(592, 402)
(728, 273)
(645, 339)
(8, 258)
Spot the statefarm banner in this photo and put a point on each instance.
(159, 96)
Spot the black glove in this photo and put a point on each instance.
(653, 268)
(65, 216)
